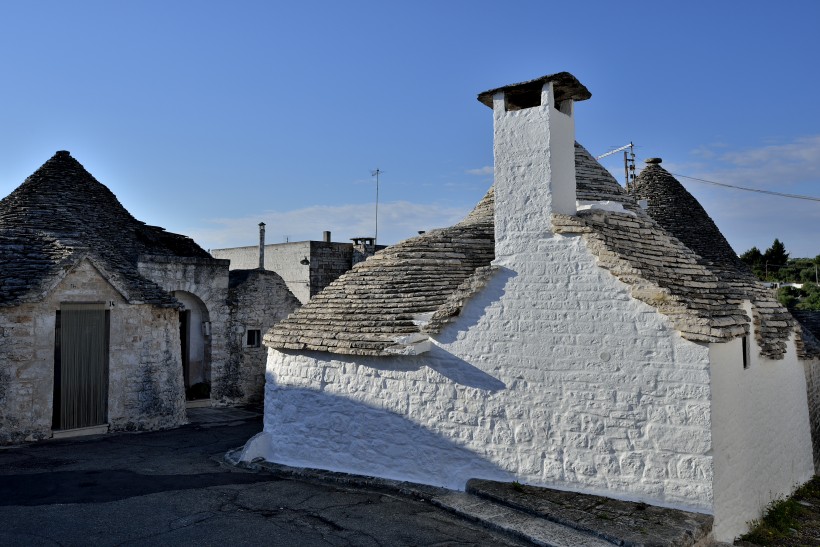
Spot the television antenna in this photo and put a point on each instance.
(376, 174)
(629, 162)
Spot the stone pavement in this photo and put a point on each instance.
(171, 488)
(540, 516)
(174, 487)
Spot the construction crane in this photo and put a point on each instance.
(629, 162)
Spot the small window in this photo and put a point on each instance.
(254, 339)
(744, 342)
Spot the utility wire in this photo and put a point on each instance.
(770, 192)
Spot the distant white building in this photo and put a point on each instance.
(560, 336)
(306, 266)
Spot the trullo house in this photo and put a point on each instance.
(560, 335)
(107, 323)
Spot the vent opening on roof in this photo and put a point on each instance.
(519, 100)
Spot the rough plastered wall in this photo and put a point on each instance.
(812, 370)
(282, 258)
(145, 381)
(258, 300)
(552, 375)
(207, 279)
(760, 431)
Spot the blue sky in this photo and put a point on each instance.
(209, 117)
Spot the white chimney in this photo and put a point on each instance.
(534, 148)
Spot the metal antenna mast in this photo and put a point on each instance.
(629, 162)
(376, 174)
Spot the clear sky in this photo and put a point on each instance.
(208, 117)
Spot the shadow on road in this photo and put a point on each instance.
(61, 487)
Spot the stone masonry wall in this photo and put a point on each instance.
(552, 375)
(208, 280)
(327, 262)
(258, 302)
(145, 374)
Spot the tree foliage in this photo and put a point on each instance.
(774, 265)
(776, 255)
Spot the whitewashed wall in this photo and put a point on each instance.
(761, 433)
(552, 375)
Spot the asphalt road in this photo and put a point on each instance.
(170, 487)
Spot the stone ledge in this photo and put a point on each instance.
(616, 521)
(537, 527)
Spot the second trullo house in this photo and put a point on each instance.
(559, 335)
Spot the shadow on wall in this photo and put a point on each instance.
(476, 307)
(366, 426)
(438, 359)
(315, 429)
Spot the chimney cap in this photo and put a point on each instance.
(652, 161)
(566, 87)
(261, 224)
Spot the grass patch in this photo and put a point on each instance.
(782, 517)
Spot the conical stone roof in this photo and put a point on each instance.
(674, 208)
(680, 214)
(61, 214)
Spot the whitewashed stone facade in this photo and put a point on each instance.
(525, 385)
(761, 430)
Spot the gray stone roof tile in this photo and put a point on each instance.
(393, 293)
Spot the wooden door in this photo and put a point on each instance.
(81, 366)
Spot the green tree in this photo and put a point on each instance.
(753, 257)
(788, 296)
(811, 297)
(775, 256)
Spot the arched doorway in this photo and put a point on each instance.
(195, 339)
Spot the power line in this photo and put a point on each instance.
(770, 192)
